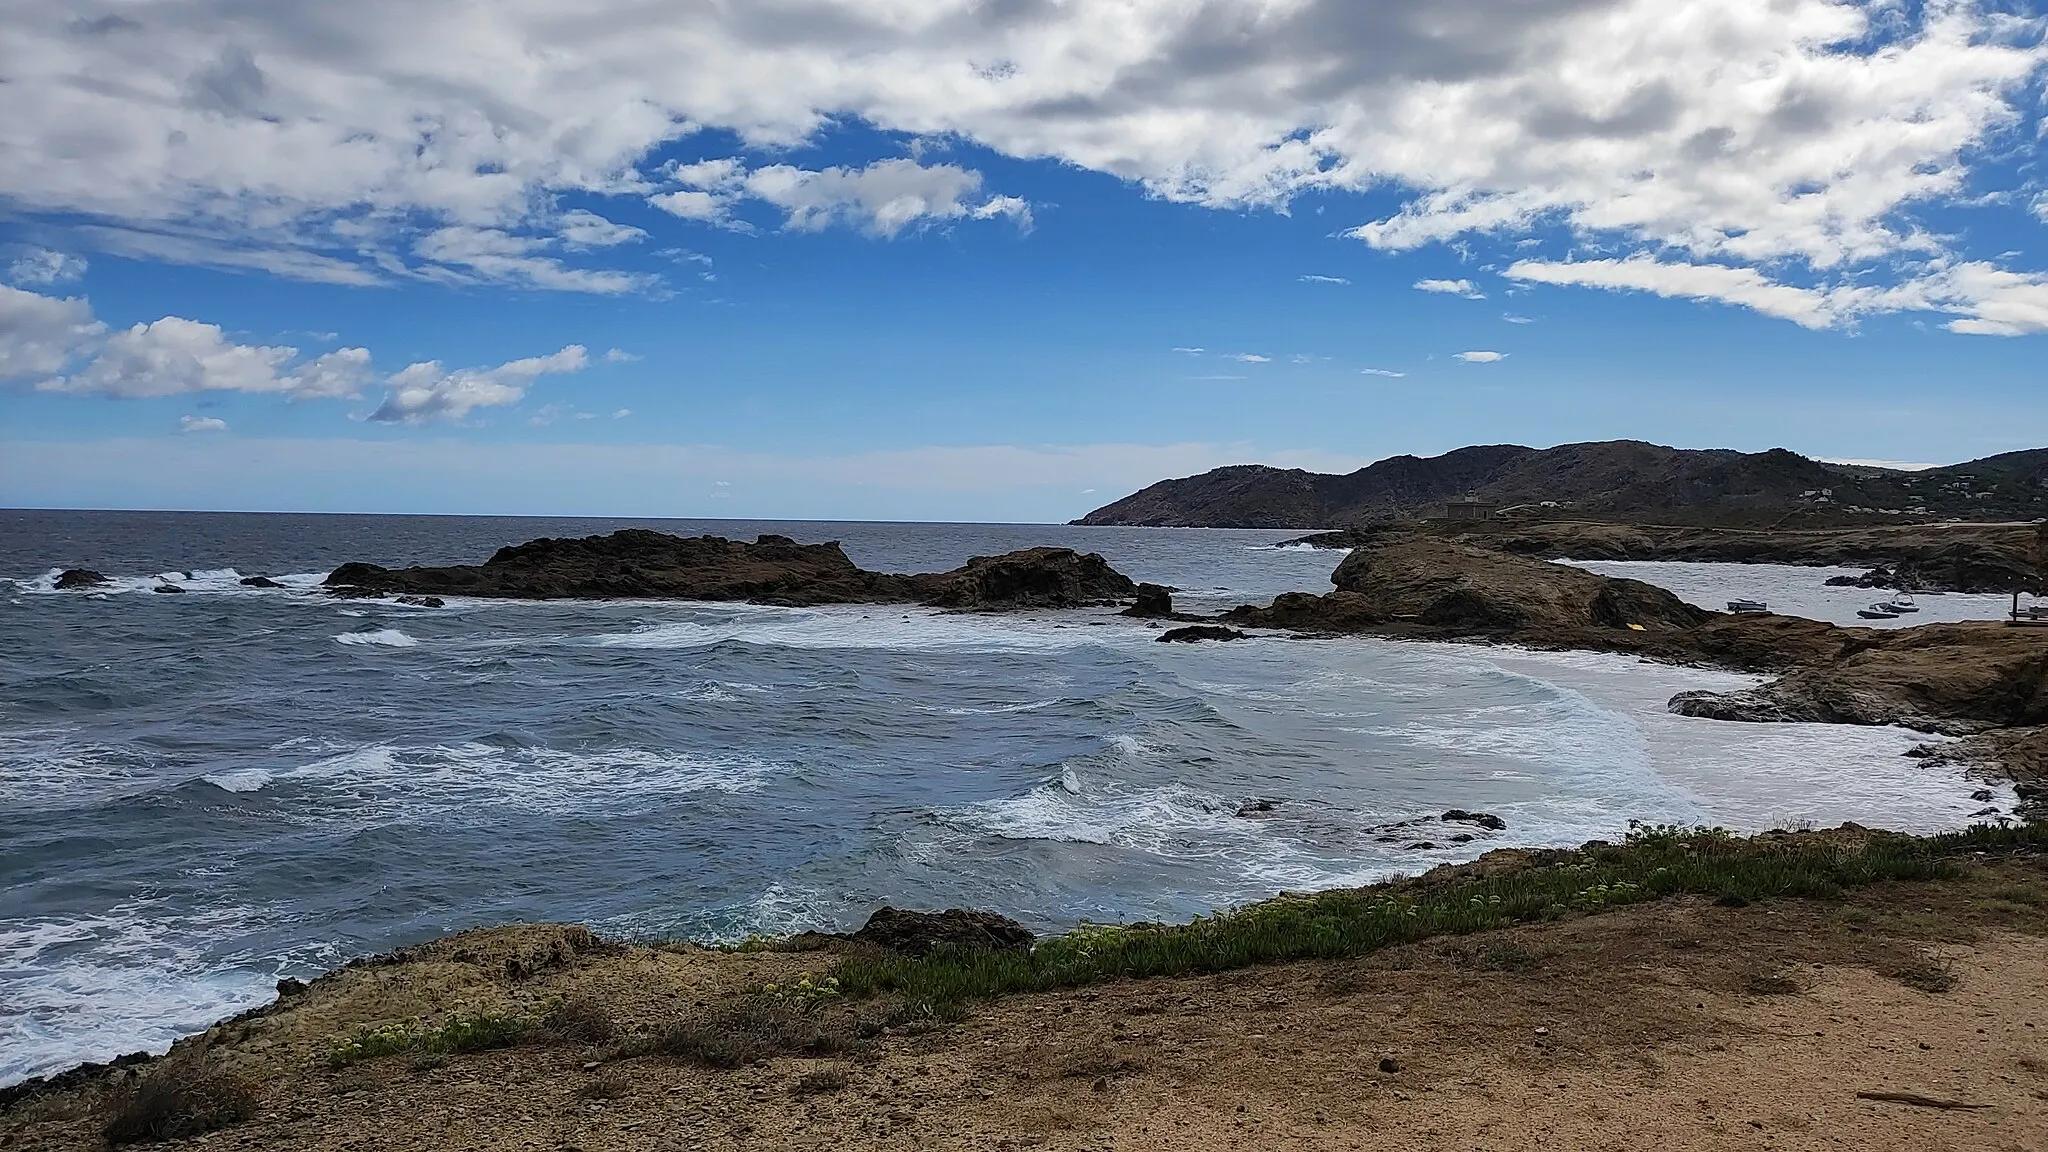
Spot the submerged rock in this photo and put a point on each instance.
(421, 601)
(1486, 820)
(1256, 807)
(78, 578)
(1197, 632)
(167, 588)
(259, 582)
(916, 933)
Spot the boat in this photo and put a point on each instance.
(1747, 607)
(1903, 602)
(1878, 612)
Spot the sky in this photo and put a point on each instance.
(994, 259)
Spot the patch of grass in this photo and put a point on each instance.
(819, 1082)
(752, 1030)
(1930, 974)
(371, 1043)
(609, 1084)
(1652, 863)
(180, 1099)
(1495, 956)
(1770, 984)
(579, 1020)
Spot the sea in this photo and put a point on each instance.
(203, 793)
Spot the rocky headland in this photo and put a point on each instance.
(1941, 557)
(635, 563)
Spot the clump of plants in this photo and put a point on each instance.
(468, 1032)
(180, 1098)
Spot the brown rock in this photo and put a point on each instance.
(916, 933)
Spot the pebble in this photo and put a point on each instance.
(1543, 1031)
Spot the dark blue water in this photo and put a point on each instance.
(202, 792)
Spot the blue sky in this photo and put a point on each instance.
(998, 261)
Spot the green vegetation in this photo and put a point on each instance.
(1652, 863)
(469, 1032)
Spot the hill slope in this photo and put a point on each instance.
(1616, 479)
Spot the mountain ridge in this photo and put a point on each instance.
(1613, 479)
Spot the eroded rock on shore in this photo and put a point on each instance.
(636, 563)
(78, 578)
(917, 933)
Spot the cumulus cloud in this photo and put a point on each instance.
(1729, 132)
(172, 356)
(202, 424)
(40, 335)
(619, 356)
(1481, 357)
(41, 267)
(427, 391)
(1314, 279)
(1451, 288)
(582, 229)
(883, 198)
(495, 254)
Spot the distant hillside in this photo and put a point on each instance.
(1611, 480)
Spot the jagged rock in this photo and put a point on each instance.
(167, 588)
(1196, 632)
(638, 563)
(259, 582)
(1153, 601)
(421, 601)
(916, 933)
(1486, 820)
(1031, 578)
(78, 578)
(1256, 807)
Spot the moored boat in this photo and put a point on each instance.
(1747, 607)
(1878, 612)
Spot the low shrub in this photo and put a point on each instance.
(180, 1098)
(752, 1030)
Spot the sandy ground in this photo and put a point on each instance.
(1678, 1026)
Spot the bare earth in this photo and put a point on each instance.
(1679, 1026)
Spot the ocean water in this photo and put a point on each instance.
(202, 793)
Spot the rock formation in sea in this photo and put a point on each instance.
(78, 578)
(637, 563)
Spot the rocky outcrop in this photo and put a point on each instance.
(1953, 678)
(1154, 601)
(259, 582)
(917, 933)
(635, 563)
(72, 578)
(1032, 578)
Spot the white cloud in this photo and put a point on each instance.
(338, 375)
(41, 267)
(40, 335)
(172, 356)
(427, 391)
(1250, 358)
(1388, 372)
(1451, 288)
(694, 204)
(1191, 351)
(1314, 279)
(582, 229)
(1988, 300)
(1512, 318)
(202, 424)
(1481, 357)
(619, 356)
(1746, 133)
(883, 198)
(622, 413)
(494, 254)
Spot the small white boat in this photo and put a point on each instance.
(1748, 607)
(1878, 612)
(1903, 602)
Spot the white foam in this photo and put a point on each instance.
(382, 637)
(55, 767)
(858, 627)
(203, 581)
(135, 977)
(240, 780)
